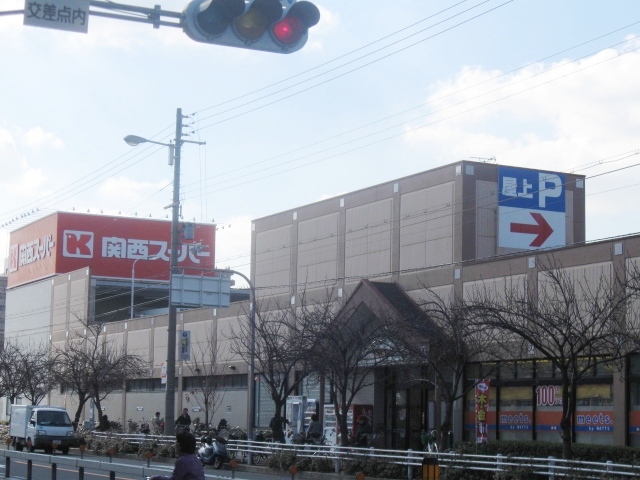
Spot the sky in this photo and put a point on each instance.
(381, 90)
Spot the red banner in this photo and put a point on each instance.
(482, 408)
(111, 246)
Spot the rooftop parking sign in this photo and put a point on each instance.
(531, 209)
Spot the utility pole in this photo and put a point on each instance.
(170, 399)
(175, 155)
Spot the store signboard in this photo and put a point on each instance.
(112, 246)
(531, 209)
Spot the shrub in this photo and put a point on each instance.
(281, 460)
(517, 473)
(464, 474)
(102, 445)
(372, 467)
(584, 452)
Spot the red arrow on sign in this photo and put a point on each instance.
(542, 229)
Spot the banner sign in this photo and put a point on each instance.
(482, 408)
(185, 345)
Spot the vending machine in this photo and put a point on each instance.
(298, 411)
(295, 413)
(331, 427)
(312, 407)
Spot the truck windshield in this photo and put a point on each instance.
(54, 419)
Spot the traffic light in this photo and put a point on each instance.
(269, 25)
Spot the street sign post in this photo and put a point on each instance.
(531, 209)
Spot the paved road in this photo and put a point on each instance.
(41, 470)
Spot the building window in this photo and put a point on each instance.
(238, 381)
(145, 385)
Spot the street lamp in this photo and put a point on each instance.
(135, 140)
(251, 410)
(174, 157)
(133, 276)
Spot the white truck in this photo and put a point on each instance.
(41, 427)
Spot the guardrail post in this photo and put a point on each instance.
(499, 459)
(609, 466)
(54, 471)
(7, 467)
(293, 470)
(409, 465)
(29, 469)
(112, 475)
(552, 470)
(336, 459)
(81, 473)
(233, 464)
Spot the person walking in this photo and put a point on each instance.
(158, 424)
(188, 466)
(278, 428)
(363, 430)
(104, 424)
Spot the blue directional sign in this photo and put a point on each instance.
(531, 209)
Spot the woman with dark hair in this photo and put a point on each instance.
(188, 466)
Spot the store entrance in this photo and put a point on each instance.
(409, 410)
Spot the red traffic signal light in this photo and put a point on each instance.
(267, 25)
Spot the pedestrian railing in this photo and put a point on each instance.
(552, 468)
(108, 467)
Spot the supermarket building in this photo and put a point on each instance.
(450, 228)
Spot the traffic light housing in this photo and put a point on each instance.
(278, 26)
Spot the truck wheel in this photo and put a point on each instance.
(217, 463)
(64, 450)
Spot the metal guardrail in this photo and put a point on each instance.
(110, 467)
(550, 467)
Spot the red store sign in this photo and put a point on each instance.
(64, 242)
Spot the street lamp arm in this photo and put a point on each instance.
(135, 140)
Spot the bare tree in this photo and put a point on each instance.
(13, 379)
(205, 364)
(37, 365)
(27, 372)
(445, 340)
(350, 342)
(92, 368)
(574, 322)
(281, 353)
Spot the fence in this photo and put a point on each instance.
(550, 467)
(108, 467)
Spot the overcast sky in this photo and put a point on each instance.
(383, 89)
